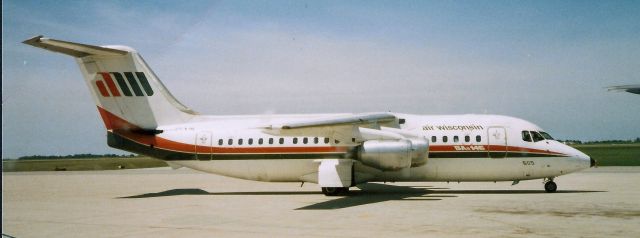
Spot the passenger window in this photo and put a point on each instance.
(467, 138)
(526, 136)
(434, 139)
(271, 141)
(444, 139)
(230, 142)
(326, 140)
(305, 140)
(250, 141)
(336, 141)
(536, 136)
(455, 138)
(240, 142)
(478, 138)
(315, 140)
(281, 141)
(295, 140)
(260, 141)
(220, 142)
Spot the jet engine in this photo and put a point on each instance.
(392, 155)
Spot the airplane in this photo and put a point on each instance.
(634, 88)
(335, 151)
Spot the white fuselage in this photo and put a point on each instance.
(477, 148)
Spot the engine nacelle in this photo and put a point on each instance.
(393, 154)
(419, 152)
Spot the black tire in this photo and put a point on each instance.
(550, 187)
(334, 191)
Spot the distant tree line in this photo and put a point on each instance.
(75, 156)
(578, 142)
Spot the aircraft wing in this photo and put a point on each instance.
(342, 128)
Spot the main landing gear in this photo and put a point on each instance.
(335, 191)
(549, 185)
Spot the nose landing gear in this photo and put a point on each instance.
(335, 191)
(549, 185)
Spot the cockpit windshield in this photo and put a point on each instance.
(526, 136)
(546, 135)
(535, 136)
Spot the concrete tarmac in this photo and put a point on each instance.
(599, 202)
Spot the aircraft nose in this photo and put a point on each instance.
(585, 160)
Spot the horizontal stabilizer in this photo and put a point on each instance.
(71, 48)
(129, 96)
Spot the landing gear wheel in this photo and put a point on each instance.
(550, 187)
(334, 191)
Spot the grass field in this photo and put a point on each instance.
(81, 164)
(613, 154)
(605, 154)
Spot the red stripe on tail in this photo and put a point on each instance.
(112, 86)
(102, 88)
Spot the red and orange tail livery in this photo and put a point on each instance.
(137, 85)
(122, 84)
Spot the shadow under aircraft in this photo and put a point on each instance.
(368, 194)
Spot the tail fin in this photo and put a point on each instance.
(128, 94)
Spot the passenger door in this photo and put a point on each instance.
(497, 142)
(203, 145)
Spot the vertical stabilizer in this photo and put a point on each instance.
(129, 96)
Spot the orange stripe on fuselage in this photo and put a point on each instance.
(492, 148)
(113, 122)
(124, 128)
(162, 143)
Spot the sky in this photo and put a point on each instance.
(548, 62)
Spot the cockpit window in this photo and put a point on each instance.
(536, 136)
(546, 135)
(526, 136)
